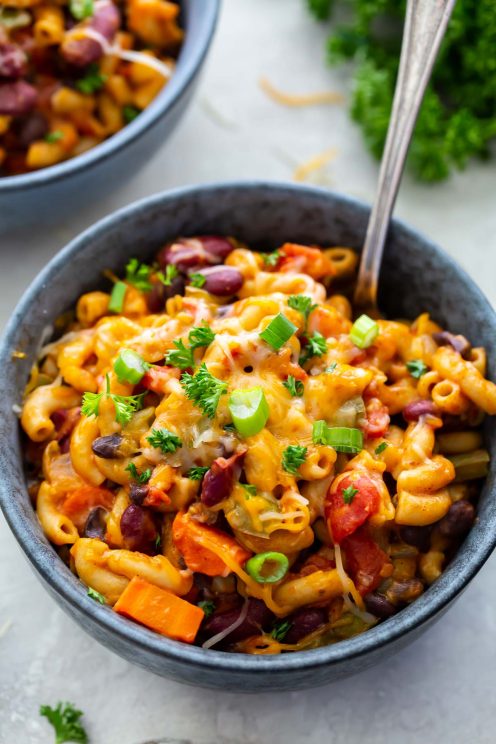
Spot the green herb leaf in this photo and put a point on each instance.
(381, 447)
(65, 719)
(125, 406)
(96, 595)
(302, 304)
(201, 336)
(250, 489)
(204, 389)
(294, 386)
(130, 113)
(92, 81)
(164, 440)
(316, 346)
(417, 368)
(170, 273)
(271, 259)
(281, 629)
(208, 607)
(138, 274)
(349, 494)
(54, 136)
(292, 457)
(197, 473)
(181, 357)
(140, 478)
(197, 280)
(81, 9)
(330, 369)
(91, 404)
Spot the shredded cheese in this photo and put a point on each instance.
(308, 99)
(126, 54)
(315, 164)
(346, 582)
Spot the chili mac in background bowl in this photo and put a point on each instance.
(417, 278)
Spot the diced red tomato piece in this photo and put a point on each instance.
(156, 498)
(365, 561)
(304, 258)
(364, 499)
(157, 377)
(378, 419)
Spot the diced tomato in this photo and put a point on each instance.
(365, 561)
(156, 498)
(364, 499)
(157, 378)
(377, 418)
(303, 258)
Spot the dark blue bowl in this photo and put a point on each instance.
(417, 276)
(49, 192)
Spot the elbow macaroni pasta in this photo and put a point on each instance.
(147, 478)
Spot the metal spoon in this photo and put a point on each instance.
(425, 26)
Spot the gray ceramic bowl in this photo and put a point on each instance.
(417, 276)
(44, 194)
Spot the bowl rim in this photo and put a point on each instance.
(188, 65)
(470, 558)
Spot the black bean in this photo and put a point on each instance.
(96, 523)
(458, 520)
(138, 493)
(138, 529)
(107, 447)
(258, 616)
(379, 606)
(222, 281)
(17, 98)
(419, 537)
(458, 343)
(155, 299)
(417, 408)
(30, 128)
(303, 622)
(219, 480)
(13, 61)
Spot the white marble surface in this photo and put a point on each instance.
(438, 690)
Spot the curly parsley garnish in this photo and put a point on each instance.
(292, 457)
(164, 440)
(204, 390)
(138, 274)
(125, 405)
(302, 304)
(417, 368)
(294, 386)
(271, 259)
(197, 280)
(65, 719)
(349, 494)
(171, 273)
(197, 472)
(316, 346)
(140, 478)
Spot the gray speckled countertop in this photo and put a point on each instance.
(438, 690)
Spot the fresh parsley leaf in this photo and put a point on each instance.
(164, 440)
(92, 81)
(294, 386)
(281, 629)
(292, 457)
(302, 304)
(380, 448)
(54, 136)
(349, 494)
(250, 489)
(204, 390)
(201, 336)
(208, 607)
(91, 404)
(170, 273)
(197, 473)
(138, 274)
(330, 369)
(130, 113)
(197, 280)
(316, 346)
(65, 719)
(81, 9)
(417, 368)
(125, 405)
(140, 478)
(271, 259)
(96, 595)
(181, 357)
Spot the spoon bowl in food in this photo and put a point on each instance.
(417, 277)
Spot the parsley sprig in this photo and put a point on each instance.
(349, 494)
(65, 719)
(417, 368)
(125, 405)
(204, 389)
(182, 356)
(271, 259)
(138, 274)
(171, 272)
(197, 280)
(281, 629)
(294, 386)
(197, 472)
(316, 346)
(92, 81)
(293, 456)
(164, 440)
(303, 305)
(140, 478)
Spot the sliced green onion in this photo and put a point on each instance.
(340, 438)
(267, 568)
(471, 465)
(279, 330)
(249, 410)
(130, 367)
(116, 302)
(364, 332)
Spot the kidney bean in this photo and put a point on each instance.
(138, 529)
(107, 447)
(219, 480)
(257, 617)
(458, 520)
(138, 493)
(155, 299)
(217, 246)
(458, 343)
(82, 52)
(222, 281)
(96, 524)
(417, 408)
(13, 61)
(379, 606)
(303, 622)
(187, 253)
(17, 98)
(419, 537)
(32, 127)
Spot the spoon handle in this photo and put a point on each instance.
(425, 25)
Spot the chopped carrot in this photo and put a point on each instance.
(191, 538)
(304, 258)
(159, 610)
(79, 502)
